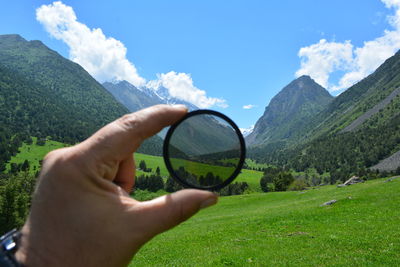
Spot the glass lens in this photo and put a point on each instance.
(204, 151)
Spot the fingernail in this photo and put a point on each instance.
(208, 202)
(179, 106)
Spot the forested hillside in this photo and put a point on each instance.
(359, 98)
(38, 64)
(326, 146)
(45, 95)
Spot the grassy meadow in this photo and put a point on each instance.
(34, 153)
(275, 229)
(288, 229)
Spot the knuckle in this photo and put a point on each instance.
(52, 156)
(129, 120)
(133, 123)
(58, 158)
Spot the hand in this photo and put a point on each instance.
(81, 213)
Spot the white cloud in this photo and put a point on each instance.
(103, 57)
(180, 85)
(249, 106)
(322, 59)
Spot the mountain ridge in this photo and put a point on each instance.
(370, 108)
(45, 95)
(135, 98)
(38, 87)
(296, 103)
(303, 126)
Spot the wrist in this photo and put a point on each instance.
(27, 253)
(9, 243)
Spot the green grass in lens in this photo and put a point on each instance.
(199, 169)
(251, 177)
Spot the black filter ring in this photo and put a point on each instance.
(242, 150)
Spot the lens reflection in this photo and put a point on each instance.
(204, 150)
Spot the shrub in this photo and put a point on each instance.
(282, 181)
(298, 185)
(151, 183)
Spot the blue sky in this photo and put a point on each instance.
(223, 55)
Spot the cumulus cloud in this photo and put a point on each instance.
(180, 85)
(322, 59)
(103, 57)
(249, 106)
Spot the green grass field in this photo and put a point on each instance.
(276, 229)
(252, 164)
(288, 229)
(34, 153)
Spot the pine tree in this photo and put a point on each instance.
(25, 166)
(158, 171)
(142, 165)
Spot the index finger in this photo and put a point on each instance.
(122, 137)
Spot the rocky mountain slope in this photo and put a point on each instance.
(134, 98)
(356, 130)
(289, 112)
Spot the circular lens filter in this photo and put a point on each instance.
(204, 150)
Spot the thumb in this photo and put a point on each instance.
(167, 211)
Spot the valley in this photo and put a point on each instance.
(34, 153)
(306, 138)
(303, 126)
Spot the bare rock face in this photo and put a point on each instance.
(330, 202)
(352, 180)
(289, 111)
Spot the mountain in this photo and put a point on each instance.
(38, 64)
(42, 94)
(203, 135)
(247, 131)
(290, 110)
(45, 95)
(131, 97)
(361, 101)
(134, 98)
(164, 94)
(355, 131)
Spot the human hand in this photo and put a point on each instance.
(82, 214)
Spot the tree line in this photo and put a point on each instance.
(155, 182)
(340, 154)
(15, 199)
